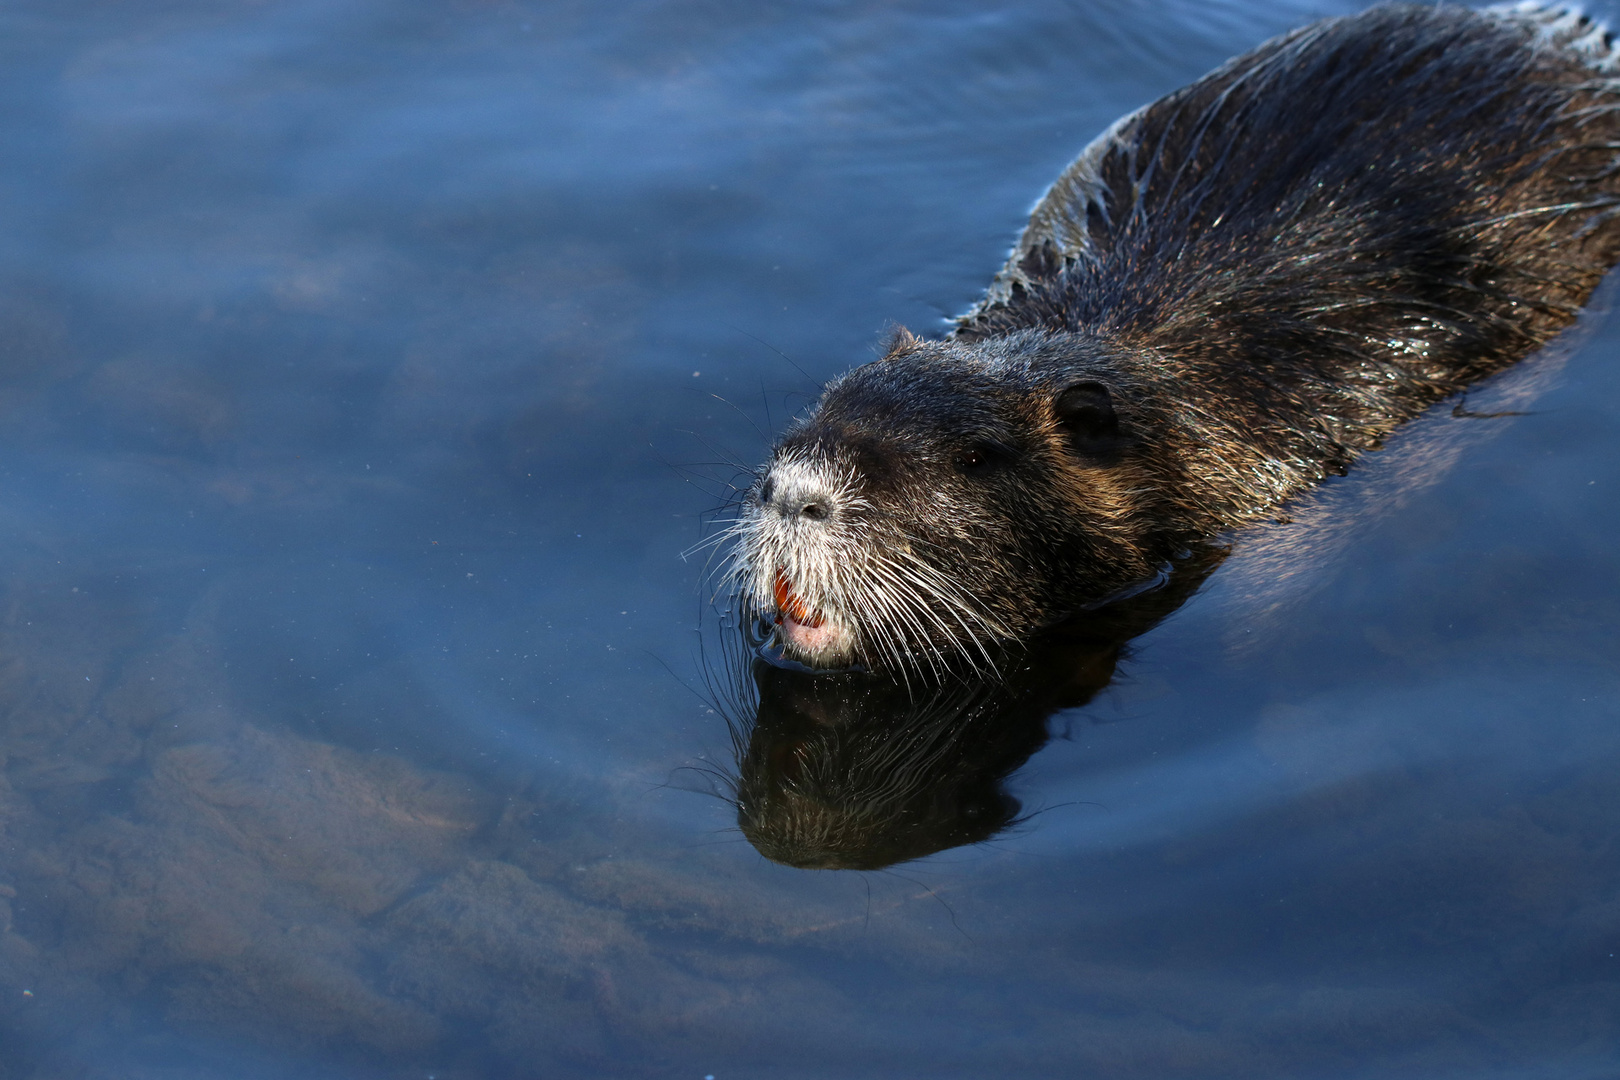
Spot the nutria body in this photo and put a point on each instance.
(1230, 295)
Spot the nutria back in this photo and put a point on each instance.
(1231, 294)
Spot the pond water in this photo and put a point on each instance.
(369, 371)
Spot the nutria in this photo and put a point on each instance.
(1231, 294)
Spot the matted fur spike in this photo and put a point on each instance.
(1566, 27)
(897, 342)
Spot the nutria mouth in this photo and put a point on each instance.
(806, 634)
(1229, 296)
(790, 606)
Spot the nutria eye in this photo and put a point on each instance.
(978, 460)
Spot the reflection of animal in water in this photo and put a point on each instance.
(1230, 295)
(851, 770)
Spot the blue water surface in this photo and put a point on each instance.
(369, 371)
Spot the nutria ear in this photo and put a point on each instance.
(897, 342)
(1085, 412)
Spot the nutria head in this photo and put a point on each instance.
(947, 496)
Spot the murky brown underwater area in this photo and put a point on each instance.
(369, 376)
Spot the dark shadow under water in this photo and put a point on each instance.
(861, 770)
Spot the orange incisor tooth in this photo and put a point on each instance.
(789, 603)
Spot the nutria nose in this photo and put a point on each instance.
(794, 493)
(816, 506)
